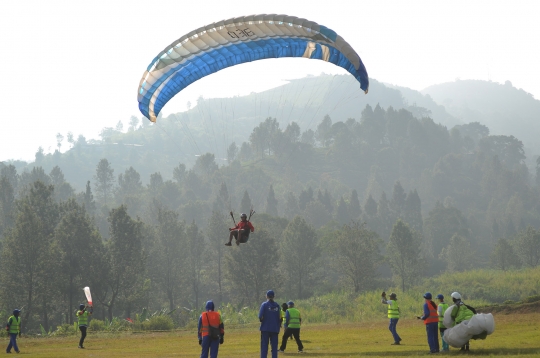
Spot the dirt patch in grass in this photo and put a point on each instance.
(515, 308)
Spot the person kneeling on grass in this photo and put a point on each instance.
(293, 320)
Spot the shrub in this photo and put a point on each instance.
(530, 299)
(65, 329)
(97, 325)
(158, 323)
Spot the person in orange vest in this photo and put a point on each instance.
(210, 331)
(241, 231)
(431, 320)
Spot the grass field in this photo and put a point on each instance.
(515, 335)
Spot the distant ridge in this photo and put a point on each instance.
(503, 108)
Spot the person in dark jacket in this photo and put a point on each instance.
(270, 317)
(208, 319)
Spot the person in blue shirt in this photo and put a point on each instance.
(431, 320)
(271, 318)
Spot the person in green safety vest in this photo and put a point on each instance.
(82, 315)
(293, 320)
(461, 312)
(393, 314)
(13, 328)
(441, 308)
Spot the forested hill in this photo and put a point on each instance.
(501, 107)
(382, 182)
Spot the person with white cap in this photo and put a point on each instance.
(461, 312)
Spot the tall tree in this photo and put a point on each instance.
(196, 261)
(169, 256)
(503, 256)
(245, 204)
(305, 197)
(7, 204)
(299, 255)
(88, 199)
(271, 202)
(253, 268)
(355, 255)
(26, 274)
(80, 251)
(126, 259)
(354, 206)
(216, 233)
(104, 181)
(527, 245)
(129, 184)
(291, 205)
(403, 255)
(458, 254)
(342, 212)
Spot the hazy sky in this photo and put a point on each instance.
(71, 65)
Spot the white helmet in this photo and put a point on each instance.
(456, 295)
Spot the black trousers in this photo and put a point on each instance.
(295, 332)
(83, 335)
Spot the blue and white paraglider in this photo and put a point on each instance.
(235, 41)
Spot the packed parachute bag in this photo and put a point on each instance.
(478, 327)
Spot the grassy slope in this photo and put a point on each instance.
(515, 335)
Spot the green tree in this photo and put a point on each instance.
(299, 254)
(253, 268)
(503, 256)
(7, 204)
(169, 255)
(291, 205)
(342, 212)
(441, 224)
(232, 151)
(80, 251)
(354, 206)
(28, 272)
(125, 259)
(527, 245)
(355, 255)
(271, 202)
(217, 232)
(245, 204)
(196, 261)
(458, 255)
(129, 184)
(403, 255)
(104, 181)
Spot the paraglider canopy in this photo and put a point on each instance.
(235, 41)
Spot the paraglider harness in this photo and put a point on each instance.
(245, 237)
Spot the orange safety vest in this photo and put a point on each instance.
(215, 320)
(433, 314)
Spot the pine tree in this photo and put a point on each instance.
(342, 211)
(299, 254)
(126, 260)
(271, 202)
(104, 181)
(355, 255)
(245, 204)
(354, 206)
(291, 206)
(403, 253)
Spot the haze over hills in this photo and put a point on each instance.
(504, 109)
(211, 125)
